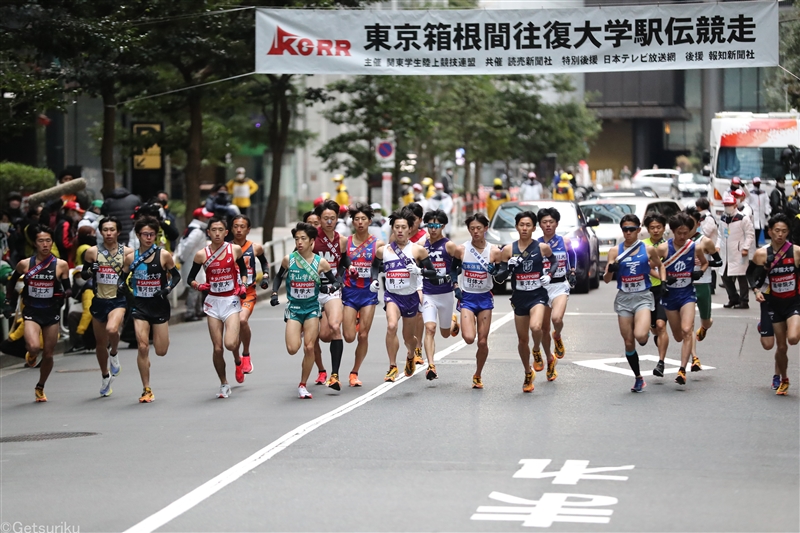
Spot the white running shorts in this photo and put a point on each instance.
(325, 298)
(221, 307)
(438, 306)
(556, 289)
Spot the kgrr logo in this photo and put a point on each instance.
(289, 43)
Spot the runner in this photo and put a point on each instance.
(780, 259)
(46, 280)
(656, 224)
(401, 260)
(524, 259)
(322, 374)
(151, 309)
(418, 235)
(106, 262)
(226, 285)
(437, 294)
(557, 290)
(473, 288)
(329, 245)
(360, 291)
(250, 251)
(631, 261)
(679, 255)
(302, 269)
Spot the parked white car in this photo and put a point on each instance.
(662, 180)
(692, 186)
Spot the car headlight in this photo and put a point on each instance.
(607, 242)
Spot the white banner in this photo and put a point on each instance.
(592, 39)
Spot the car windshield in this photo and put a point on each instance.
(607, 213)
(748, 162)
(504, 218)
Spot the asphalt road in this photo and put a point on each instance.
(720, 454)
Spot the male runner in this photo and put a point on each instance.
(418, 235)
(656, 225)
(322, 375)
(151, 309)
(401, 260)
(524, 259)
(473, 288)
(47, 284)
(679, 255)
(226, 285)
(106, 262)
(437, 294)
(360, 291)
(632, 261)
(251, 251)
(303, 270)
(557, 290)
(780, 259)
(329, 245)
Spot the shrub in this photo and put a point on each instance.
(22, 178)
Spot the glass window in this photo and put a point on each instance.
(749, 162)
(504, 218)
(732, 89)
(749, 89)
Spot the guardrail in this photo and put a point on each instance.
(275, 251)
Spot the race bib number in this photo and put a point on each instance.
(441, 268)
(527, 281)
(221, 286)
(106, 275)
(301, 290)
(782, 284)
(40, 289)
(363, 271)
(633, 283)
(398, 279)
(475, 279)
(147, 288)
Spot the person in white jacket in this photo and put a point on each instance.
(193, 240)
(736, 243)
(531, 189)
(758, 200)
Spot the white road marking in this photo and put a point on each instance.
(607, 365)
(204, 491)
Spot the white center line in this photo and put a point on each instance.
(206, 490)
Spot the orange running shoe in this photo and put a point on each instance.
(538, 364)
(476, 382)
(527, 385)
(354, 381)
(40, 397)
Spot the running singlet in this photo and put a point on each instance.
(222, 274)
(398, 279)
(560, 251)
(783, 276)
(527, 275)
(441, 261)
(302, 287)
(634, 270)
(681, 268)
(249, 257)
(474, 275)
(108, 275)
(361, 258)
(654, 281)
(149, 278)
(706, 277)
(42, 288)
(329, 250)
(418, 235)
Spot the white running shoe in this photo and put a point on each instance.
(105, 389)
(303, 393)
(224, 391)
(113, 365)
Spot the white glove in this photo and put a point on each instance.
(374, 286)
(514, 261)
(413, 269)
(544, 280)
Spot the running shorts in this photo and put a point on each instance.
(101, 307)
(408, 303)
(704, 299)
(358, 297)
(524, 301)
(438, 306)
(554, 290)
(325, 298)
(250, 298)
(629, 303)
(477, 301)
(765, 325)
(301, 313)
(674, 299)
(222, 307)
(44, 316)
(660, 313)
(781, 311)
(154, 310)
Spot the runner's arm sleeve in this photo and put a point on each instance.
(375, 270)
(755, 275)
(344, 264)
(716, 260)
(276, 283)
(193, 273)
(334, 282)
(174, 277)
(572, 258)
(553, 265)
(11, 286)
(501, 275)
(66, 286)
(242, 266)
(428, 270)
(455, 268)
(262, 260)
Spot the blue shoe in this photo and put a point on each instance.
(639, 385)
(113, 364)
(105, 388)
(776, 382)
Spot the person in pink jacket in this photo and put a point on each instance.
(736, 243)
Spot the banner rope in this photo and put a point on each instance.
(185, 88)
(792, 74)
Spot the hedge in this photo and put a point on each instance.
(22, 178)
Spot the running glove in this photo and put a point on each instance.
(514, 261)
(264, 283)
(544, 280)
(241, 292)
(163, 293)
(697, 274)
(670, 280)
(613, 267)
(274, 300)
(413, 268)
(572, 280)
(203, 287)
(374, 286)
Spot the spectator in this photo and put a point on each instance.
(447, 181)
(735, 243)
(625, 173)
(81, 197)
(193, 240)
(343, 223)
(167, 232)
(220, 204)
(498, 196)
(741, 203)
(793, 210)
(6, 236)
(241, 188)
(87, 237)
(441, 201)
(163, 199)
(66, 233)
(14, 208)
(531, 189)
(777, 198)
(92, 216)
(759, 204)
(376, 225)
(122, 205)
(564, 190)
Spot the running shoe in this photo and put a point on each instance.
(696, 367)
(147, 396)
(303, 394)
(538, 364)
(418, 360)
(240, 372)
(39, 392)
(552, 374)
(783, 388)
(105, 388)
(639, 385)
(476, 382)
(701, 333)
(247, 364)
(31, 360)
(333, 382)
(659, 369)
(224, 391)
(455, 328)
(113, 364)
(559, 346)
(322, 378)
(681, 378)
(391, 375)
(411, 364)
(776, 382)
(431, 373)
(527, 385)
(354, 381)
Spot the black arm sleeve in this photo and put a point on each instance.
(262, 259)
(193, 273)
(67, 286)
(553, 265)
(242, 266)
(87, 273)
(331, 277)
(175, 277)
(716, 260)
(502, 273)
(276, 283)
(455, 268)
(375, 270)
(428, 270)
(344, 264)
(11, 293)
(755, 275)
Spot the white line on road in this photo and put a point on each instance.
(204, 491)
